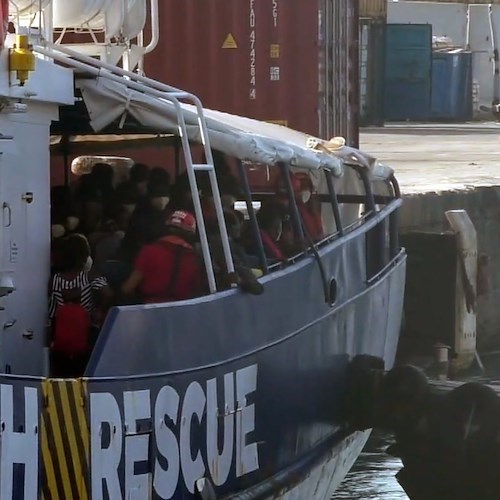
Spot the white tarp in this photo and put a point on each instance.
(242, 138)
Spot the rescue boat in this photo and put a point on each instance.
(230, 395)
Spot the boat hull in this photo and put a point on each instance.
(318, 480)
(276, 395)
(253, 399)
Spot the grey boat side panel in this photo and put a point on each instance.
(149, 339)
(297, 400)
(319, 481)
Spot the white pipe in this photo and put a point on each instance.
(48, 23)
(140, 42)
(155, 27)
(112, 69)
(467, 29)
(496, 62)
(17, 12)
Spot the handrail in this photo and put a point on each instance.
(172, 95)
(334, 201)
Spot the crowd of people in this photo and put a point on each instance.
(137, 242)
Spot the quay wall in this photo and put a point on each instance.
(424, 212)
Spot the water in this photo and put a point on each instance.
(373, 475)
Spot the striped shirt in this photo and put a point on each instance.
(82, 282)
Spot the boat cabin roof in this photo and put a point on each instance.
(110, 107)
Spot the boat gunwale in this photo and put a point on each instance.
(398, 260)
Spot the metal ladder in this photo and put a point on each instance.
(156, 89)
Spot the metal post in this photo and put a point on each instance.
(370, 199)
(65, 148)
(177, 158)
(253, 219)
(296, 218)
(353, 72)
(394, 220)
(334, 202)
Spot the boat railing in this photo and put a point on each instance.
(113, 32)
(167, 96)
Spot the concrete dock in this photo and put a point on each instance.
(445, 167)
(441, 157)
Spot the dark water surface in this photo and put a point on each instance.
(374, 474)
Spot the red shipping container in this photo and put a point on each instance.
(258, 58)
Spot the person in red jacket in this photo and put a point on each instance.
(168, 269)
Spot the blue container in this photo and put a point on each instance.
(408, 68)
(451, 97)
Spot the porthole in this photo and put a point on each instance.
(332, 291)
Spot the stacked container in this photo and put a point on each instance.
(372, 22)
(293, 62)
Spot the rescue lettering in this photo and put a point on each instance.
(152, 443)
(19, 443)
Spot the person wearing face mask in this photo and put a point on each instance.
(107, 247)
(139, 178)
(148, 216)
(72, 223)
(77, 299)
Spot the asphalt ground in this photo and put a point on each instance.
(437, 157)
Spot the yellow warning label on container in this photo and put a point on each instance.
(274, 50)
(229, 42)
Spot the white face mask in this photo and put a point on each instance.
(129, 208)
(160, 203)
(72, 223)
(88, 264)
(306, 196)
(57, 231)
(120, 233)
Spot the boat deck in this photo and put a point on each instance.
(438, 157)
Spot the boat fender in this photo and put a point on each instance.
(364, 374)
(403, 397)
(470, 418)
(204, 489)
(457, 454)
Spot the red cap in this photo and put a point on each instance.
(182, 220)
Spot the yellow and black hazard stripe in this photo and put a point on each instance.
(65, 441)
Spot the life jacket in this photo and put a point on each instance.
(271, 249)
(71, 329)
(184, 278)
(312, 222)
